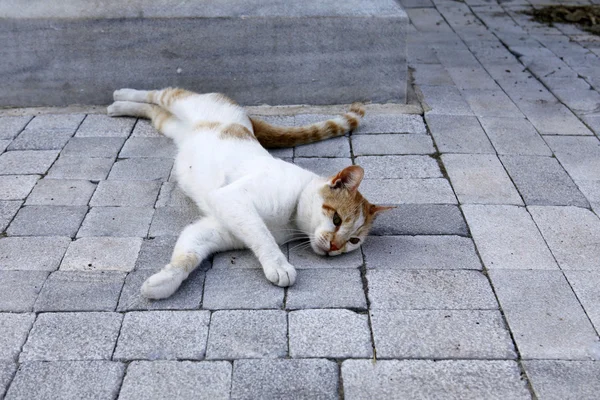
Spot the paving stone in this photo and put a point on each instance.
(7, 370)
(67, 380)
(444, 100)
(40, 140)
(363, 145)
(478, 334)
(471, 77)
(101, 254)
(392, 123)
(61, 192)
(163, 335)
(4, 144)
(307, 119)
(72, 336)
(56, 122)
(448, 379)
(408, 191)
(431, 75)
(585, 285)
(336, 147)
(117, 221)
(14, 328)
(126, 193)
(26, 161)
(172, 196)
(591, 190)
(458, 134)
(160, 147)
(47, 221)
(579, 101)
(514, 136)
(580, 156)
(399, 167)
(421, 219)
(327, 288)
(84, 168)
(480, 179)
(237, 259)
(247, 334)
(187, 297)
(544, 315)
(323, 166)
(144, 128)
(19, 289)
(571, 233)
(491, 103)
(185, 380)
(8, 210)
(105, 126)
(105, 147)
(561, 380)
(507, 238)
(170, 221)
(304, 379)
(429, 290)
(32, 253)
(542, 181)
(80, 291)
(240, 289)
(142, 169)
(11, 126)
(420, 252)
(302, 256)
(155, 252)
(282, 153)
(554, 119)
(428, 19)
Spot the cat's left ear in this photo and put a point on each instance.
(349, 178)
(375, 209)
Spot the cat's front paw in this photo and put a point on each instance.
(282, 275)
(164, 283)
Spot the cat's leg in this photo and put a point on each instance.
(165, 122)
(196, 242)
(164, 98)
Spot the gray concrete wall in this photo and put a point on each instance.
(319, 54)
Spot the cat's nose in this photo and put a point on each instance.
(333, 247)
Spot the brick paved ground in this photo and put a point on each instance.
(483, 283)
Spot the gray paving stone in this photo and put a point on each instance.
(327, 288)
(142, 169)
(579, 101)
(562, 380)
(429, 290)
(428, 19)
(102, 254)
(448, 379)
(186, 380)
(431, 75)
(126, 193)
(11, 126)
(80, 291)
(72, 336)
(591, 190)
(170, 221)
(571, 233)
(26, 161)
(580, 156)
(282, 153)
(160, 147)
(47, 221)
(32, 253)
(363, 145)
(84, 168)
(247, 334)
(240, 289)
(56, 122)
(304, 379)
(15, 328)
(336, 147)
(323, 166)
(408, 191)
(61, 192)
(163, 335)
(554, 119)
(421, 219)
(4, 144)
(329, 333)
(155, 252)
(420, 252)
(237, 259)
(471, 77)
(67, 380)
(480, 179)
(478, 334)
(491, 103)
(172, 196)
(97, 147)
(7, 370)
(187, 297)
(399, 167)
(542, 181)
(585, 285)
(392, 123)
(306, 119)
(19, 289)
(40, 140)
(144, 128)
(302, 256)
(444, 100)
(544, 315)
(116, 221)
(458, 134)
(514, 136)
(105, 126)
(507, 238)
(8, 210)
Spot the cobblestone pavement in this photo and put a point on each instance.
(482, 283)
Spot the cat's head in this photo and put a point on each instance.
(341, 217)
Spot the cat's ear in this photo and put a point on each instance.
(375, 209)
(349, 178)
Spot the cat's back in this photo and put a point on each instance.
(215, 108)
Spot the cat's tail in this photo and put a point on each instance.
(271, 136)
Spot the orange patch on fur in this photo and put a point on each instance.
(207, 125)
(237, 131)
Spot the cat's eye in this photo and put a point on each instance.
(354, 240)
(337, 220)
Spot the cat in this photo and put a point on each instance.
(248, 198)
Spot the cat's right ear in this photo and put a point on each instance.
(349, 178)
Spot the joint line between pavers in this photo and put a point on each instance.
(365, 284)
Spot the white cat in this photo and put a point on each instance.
(248, 198)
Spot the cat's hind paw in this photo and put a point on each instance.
(164, 283)
(124, 95)
(282, 275)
